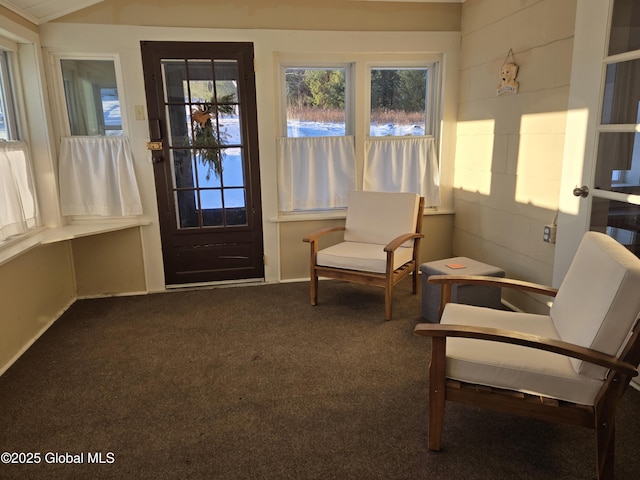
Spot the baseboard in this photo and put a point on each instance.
(109, 295)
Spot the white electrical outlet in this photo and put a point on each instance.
(549, 234)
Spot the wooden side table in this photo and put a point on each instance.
(480, 295)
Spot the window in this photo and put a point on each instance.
(321, 158)
(316, 156)
(316, 102)
(399, 104)
(8, 128)
(18, 201)
(93, 144)
(91, 94)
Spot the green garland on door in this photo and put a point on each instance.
(207, 139)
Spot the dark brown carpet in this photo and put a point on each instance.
(254, 383)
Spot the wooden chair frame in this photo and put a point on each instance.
(386, 280)
(600, 416)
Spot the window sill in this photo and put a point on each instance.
(77, 229)
(328, 215)
(85, 228)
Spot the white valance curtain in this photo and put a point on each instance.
(97, 177)
(403, 165)
(315, 172)
(18, 202)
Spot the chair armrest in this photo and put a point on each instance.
(399, 240)
(527, 340)
(493, 281)
(312, 237)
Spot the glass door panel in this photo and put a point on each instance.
(616, 182)
(625, 19)
(202, 105)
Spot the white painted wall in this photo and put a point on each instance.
(510, 148)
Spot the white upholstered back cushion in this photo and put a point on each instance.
(379, 217)
(599, 299)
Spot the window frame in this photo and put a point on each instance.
(58, 81)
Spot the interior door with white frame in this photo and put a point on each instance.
(600, 188)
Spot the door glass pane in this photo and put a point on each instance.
(226, 85)
(619, 220)
(315, 102)
(211, 207)
(182, 169)
(235, 208)
(207, 177)
(179, 131)
(621, 93)
(618, 163)
(174, 72)
(187, 208)
(625, 21)
(398, 101)
(232, 171)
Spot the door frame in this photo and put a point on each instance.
(154, 51)
(583, 110)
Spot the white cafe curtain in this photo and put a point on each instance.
(18, 203)
(315, 172)
(97, 177)
(403, 165)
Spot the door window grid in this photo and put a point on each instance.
(203, 106)
(617, 172)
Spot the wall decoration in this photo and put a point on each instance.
(508, 74)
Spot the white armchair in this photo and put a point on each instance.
(381, 243)
(571, 366)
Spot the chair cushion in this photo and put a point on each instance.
(379, 217)
(366, 257)
(509, 366)
(598, 301)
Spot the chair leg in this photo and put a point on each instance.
(414, 280)
(388, 299)
(314, 287)
(605, 445)
(437, 387)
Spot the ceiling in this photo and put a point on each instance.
(41, 11)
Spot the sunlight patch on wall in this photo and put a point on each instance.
(539, 169)
(546, 122)
(539, 160)
(474, 156)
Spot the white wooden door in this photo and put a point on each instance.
(600, 188)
